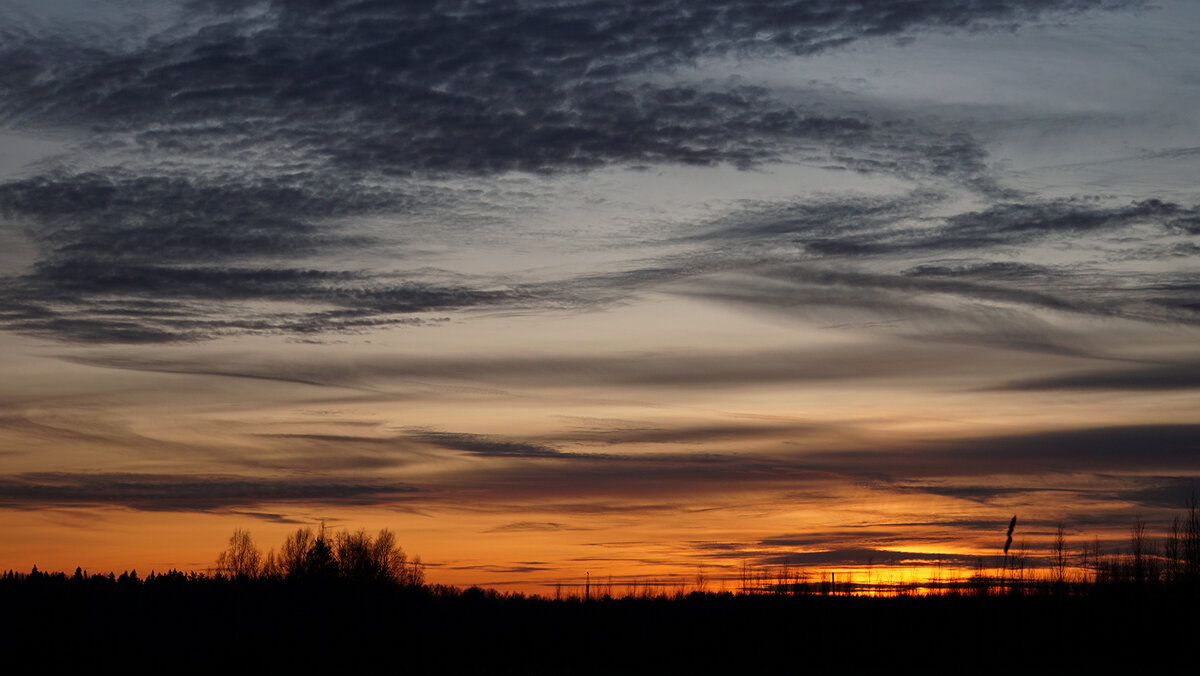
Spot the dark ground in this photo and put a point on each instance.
(176, 624)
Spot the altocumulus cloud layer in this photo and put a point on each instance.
(229, 145)
(174, 174)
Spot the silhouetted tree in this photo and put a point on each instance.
(295, 549)
(354, 555)
(318, 562)
(1173, 551)
(393, 563)
(1060, 558)
(1190, 543)
(1137, 551)
(346, 555)
(270, 567)
(242, 559)
(361, 558)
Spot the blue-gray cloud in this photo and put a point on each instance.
(892, 257)
(1100, 449)
(252, 131)
(1179, 376)
(466, 86)
(186, 493)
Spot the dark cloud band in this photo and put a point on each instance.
(152, 492)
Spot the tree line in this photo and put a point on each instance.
(315, 555)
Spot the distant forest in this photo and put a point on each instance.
(350, 601)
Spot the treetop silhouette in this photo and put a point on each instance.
(305, 555)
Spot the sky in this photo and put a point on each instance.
(643, 290)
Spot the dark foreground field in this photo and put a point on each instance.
(173, 624)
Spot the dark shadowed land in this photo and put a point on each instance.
(178, 624)
(351, 602)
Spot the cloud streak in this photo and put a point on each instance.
(708, 369)
(192, 493)
(1180, 376)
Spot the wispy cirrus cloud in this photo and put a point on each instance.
(714, 369)
(898, 259)
(462, 87)
(247, 135)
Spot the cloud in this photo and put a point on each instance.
(1089, 450)
(159, 492)
(691, 434)
(67, 303)
(865, 226)
(488, 447)
(332, 453)
(1116, 497)
(1150, 465)
(270, 517)
(1178, 376)
(900, 532)
(145, 258)
(465, 87)
(800, 286)
(1158, 492)
(120, 215)
(525, 526)
(249, 135)
(979, 469)
(710, 369)
(861, 556)
(981, 494)
(821, 550)
(898, 259)
(489, 568)
(1009, 223)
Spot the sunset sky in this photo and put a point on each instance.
(631, 289)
